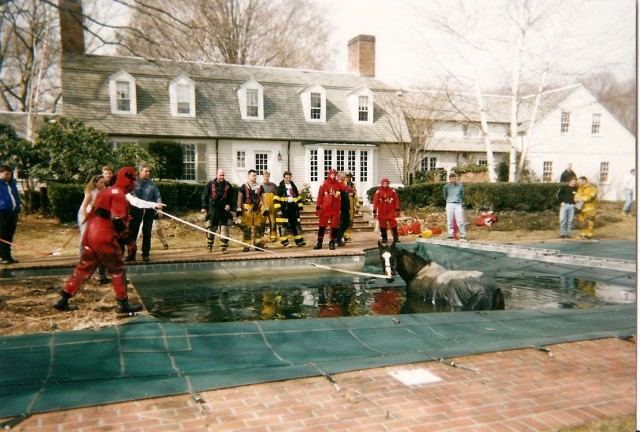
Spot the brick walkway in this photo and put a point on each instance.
(521, 390)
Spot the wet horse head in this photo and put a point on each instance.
(396, 261)
(467, 289)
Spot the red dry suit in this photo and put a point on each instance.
(386, 206)
(106, 224)
(328, 204)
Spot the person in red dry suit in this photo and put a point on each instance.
(106, 224)
(386, 208)
(328, 208)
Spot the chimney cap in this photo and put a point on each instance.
(362, 37)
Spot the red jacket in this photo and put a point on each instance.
(328, 203)
(386, 203)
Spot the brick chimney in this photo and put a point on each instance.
(362, 55)
(71, 27)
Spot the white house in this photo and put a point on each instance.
(240, 117)
(575, 128)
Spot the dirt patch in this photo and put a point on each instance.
(25, 306)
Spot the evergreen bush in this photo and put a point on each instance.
(532, 197)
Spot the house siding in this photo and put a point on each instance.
(579, 147)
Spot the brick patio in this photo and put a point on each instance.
(520, 390)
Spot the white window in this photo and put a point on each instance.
(328, 161)
(364, 166)
(189, 162)
(604, 172)
(428, 164)
(595, 124)
(252, 103)
(122, 92)
(547, 171)
(340, 160)
(182, 96)
(471, 131)
(262, 163)
(565, 119)
(314, 102)
(361, 105)
(316, 106)
(351, 161)
(251, 100)
(363, 108)
(313, 165)
(483, 162)
(241, 159)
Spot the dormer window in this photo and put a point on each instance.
(250, 98)
(361, 105)
(363, 108)
(314, 103)
(316, 106)
(182, 94)
(122, 93)
(252, 103)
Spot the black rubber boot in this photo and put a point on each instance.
(396, 239)
(102, 272)
(125, 307)
(332, 245)
(62, 304)
(318, 245)
(383, 236)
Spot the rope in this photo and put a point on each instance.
(54, 252)
(373, 275)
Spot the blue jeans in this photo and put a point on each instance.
(567, 212)
(455, 210)
(628, 200)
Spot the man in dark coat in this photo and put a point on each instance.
(217, 199)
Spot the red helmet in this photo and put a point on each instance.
(126, 178)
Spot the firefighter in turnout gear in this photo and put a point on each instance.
(328, 208)
(252, 209)
(586, 199)
(269, 195)
(288, 205)
(217, 201)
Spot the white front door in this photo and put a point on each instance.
(356, 160)
(248, 156)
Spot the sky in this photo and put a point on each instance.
(410, 52)
(602, 32)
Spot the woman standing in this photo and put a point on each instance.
(95, 185)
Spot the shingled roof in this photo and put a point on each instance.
(85, 83)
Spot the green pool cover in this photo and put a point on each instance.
(147, 358)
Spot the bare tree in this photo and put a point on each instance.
(283, 33)
(524, 45)
(618, 97)
(413, 117)
(29, 59)
(459, 22)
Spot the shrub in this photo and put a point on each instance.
(65, 200)
(482, 196)
(168, 157)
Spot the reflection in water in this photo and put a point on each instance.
(198, 300)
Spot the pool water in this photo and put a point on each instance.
(194, 298)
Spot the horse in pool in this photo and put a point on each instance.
(469, 290)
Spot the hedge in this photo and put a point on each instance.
(65, 199)
(483, 196)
